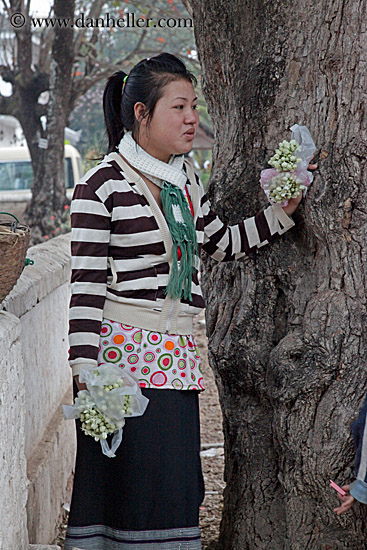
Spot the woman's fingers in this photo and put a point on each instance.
(312, 166)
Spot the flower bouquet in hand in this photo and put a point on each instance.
(289, 175)
(110, 397)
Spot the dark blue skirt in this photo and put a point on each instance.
(148, 496)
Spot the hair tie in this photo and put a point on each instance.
(125, 78)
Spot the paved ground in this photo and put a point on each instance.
(212, 451)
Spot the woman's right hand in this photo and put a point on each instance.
(294, 203)
(79, 384)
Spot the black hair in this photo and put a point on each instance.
(145, 84)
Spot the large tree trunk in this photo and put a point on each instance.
(286, 327)
(28, 82)
(48, 190)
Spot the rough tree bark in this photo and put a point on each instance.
(286, 327)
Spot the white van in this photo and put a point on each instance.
(16, 174)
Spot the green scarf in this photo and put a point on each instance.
(181, 225)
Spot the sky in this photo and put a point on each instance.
(42, 7)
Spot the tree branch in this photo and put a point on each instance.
(46, 37)
(7, 74)
(40, 110)
(188, 6)
(7, 105)
(83, 85)
(6, 7)
(94, 12)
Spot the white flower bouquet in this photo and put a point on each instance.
(289, 175)
(110, 397)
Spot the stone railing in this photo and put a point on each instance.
(37, 446)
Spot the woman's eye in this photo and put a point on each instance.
(182, 106)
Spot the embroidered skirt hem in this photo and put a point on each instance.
(96, 537)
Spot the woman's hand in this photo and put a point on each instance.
(79, 384)
(294, 203)
(347, 501)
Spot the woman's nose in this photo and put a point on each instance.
(191, 117)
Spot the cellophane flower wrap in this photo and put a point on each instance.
(110, 397)
(289, 175)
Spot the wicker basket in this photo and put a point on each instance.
(14, 241)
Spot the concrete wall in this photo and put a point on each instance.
(13, 480)
(33, 360)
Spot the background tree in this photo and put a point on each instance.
(286, 327)
(48, 189)
(84, 50)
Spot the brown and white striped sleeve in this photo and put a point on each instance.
(226, 243)
(90, 237)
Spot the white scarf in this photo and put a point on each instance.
(154, 169)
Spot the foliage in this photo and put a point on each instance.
(55, 228)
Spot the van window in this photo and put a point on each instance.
(68, 173)
(19, 175)
(15, 175)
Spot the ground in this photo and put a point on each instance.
(212, 447)
(211, 432)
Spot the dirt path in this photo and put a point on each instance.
(211, 433)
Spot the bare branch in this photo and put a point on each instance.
(45, 47)
(107, 68)
(94, 12)
(7, 105)
(188, 6)
(7, 8)
(41, 110)
(104, 70)
(46, 38)
(7, 74)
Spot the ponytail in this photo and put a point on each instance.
(112, 96)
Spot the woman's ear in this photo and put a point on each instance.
(139, 112)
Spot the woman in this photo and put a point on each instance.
(139, 221)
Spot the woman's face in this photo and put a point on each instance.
(174, 123)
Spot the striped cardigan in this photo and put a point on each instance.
(121, 253)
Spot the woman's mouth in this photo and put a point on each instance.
(190, 133)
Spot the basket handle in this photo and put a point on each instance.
(8, 213)
(27, 261)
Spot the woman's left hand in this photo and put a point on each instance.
(294, 203)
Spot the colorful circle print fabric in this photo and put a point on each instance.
(157, 360)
